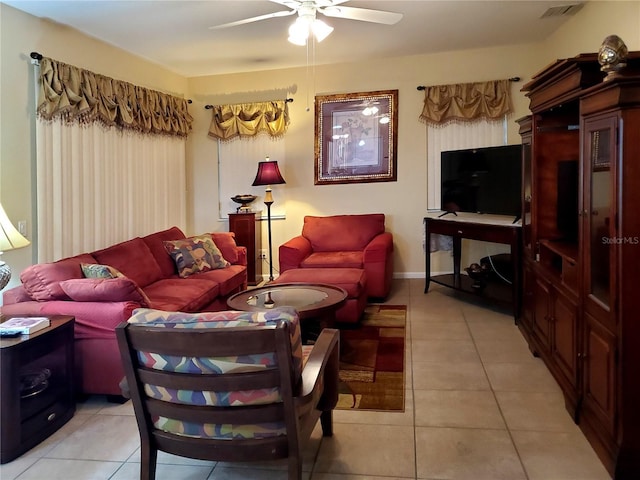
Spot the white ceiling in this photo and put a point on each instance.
(175, 34)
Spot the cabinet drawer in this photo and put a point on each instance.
(40, 400)
(38, 424)
(482, 232)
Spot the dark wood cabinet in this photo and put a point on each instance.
(36, 386)
(600, 374)
(528, 296)
(246, 228)
(542, 312)
(564, 346)
(582, 250)
(550, 324)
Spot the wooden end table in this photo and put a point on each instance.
(36, 386)
(316, 303)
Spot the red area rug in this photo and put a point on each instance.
(372, 360)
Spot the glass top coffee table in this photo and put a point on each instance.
(316, 303)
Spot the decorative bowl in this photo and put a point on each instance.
(479, 274)
(243, 200)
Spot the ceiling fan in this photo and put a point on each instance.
(307, 23)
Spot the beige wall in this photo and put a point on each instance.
(404, 201)
(21, 34)
(585, 32)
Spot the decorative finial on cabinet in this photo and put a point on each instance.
(612, 56)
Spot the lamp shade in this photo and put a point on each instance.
(299, 32)
(321, 30)
(304, 25)
(268, 174)
(10, 238)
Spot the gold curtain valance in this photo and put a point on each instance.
(81, 96)
(466, 102)
(249, 119)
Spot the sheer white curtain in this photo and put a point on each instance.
(97, 186)
(237, 167)
(457, 136)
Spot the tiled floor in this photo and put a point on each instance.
(478, 407)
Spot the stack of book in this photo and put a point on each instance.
(23, 325)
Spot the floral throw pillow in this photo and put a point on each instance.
(195, 254)
(95, 270)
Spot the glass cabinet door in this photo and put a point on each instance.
(599, 210)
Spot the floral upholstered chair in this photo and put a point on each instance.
(227, 386)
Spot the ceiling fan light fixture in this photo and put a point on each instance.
(304, 25)
(307, 23)
(320, 30)
(299, 31)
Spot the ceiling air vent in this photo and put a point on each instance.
(562, 10)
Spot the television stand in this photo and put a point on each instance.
(486, 228)
(447, 213)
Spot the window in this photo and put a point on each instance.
(237, 166)
(457, 136)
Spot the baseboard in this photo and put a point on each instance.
(420, 275)
(398, 275)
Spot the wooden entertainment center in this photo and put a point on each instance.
(581, 246)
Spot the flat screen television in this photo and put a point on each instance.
(482, 180)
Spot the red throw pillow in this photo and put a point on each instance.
(227, 244)
(42, 280)
(121, 289)
(134, 259)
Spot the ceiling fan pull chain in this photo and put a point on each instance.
(313, 68)
(308, 77)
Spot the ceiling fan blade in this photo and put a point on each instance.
(284, 13)
(288, 3)
(362, 14)
(317, 3)
(329, 3)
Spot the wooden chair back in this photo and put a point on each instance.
(136, 340)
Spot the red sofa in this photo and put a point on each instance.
(152, 281)
(344, 241)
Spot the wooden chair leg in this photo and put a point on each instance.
(148, 462)
(326, 422)
(331, 380)
(117, 399)
(295, 467)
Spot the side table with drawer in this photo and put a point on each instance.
(36, 386)
(485, 228)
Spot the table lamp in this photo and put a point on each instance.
(268, 174)
(10, 239)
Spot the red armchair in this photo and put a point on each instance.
(344, 241)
